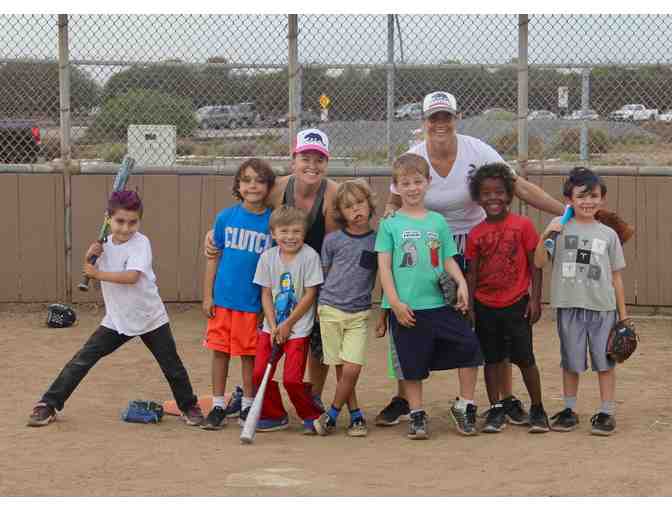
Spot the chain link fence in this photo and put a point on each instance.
(196, 90)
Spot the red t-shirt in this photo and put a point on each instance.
(502, 248)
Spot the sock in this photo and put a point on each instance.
(570, 402)
(333, 414)
(247, 402)
(461, 404)
(356, 414)
(219, 401)
(608, 407)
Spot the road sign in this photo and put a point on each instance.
(563, 97)
(324, 101)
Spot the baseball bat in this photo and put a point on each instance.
(549, 242)
(119, 184)
(250, 427)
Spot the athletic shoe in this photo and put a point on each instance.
(538, 420)
(417, 426)
(309, 428)
(216, 419)
(564, 421)
(515, 413)
(43, 414)
(394, 412)
(194, 416)
(603, 424)
(243, 416)
(323, 425)
(273, 424)
(358, 428)
(496, 419)
(465, 421)
(317, 400)
(236, 403)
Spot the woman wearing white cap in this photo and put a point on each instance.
(309, 189)
(451, 156)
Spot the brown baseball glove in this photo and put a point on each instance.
(624, 230)
(623, 340)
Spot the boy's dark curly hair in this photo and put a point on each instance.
(262, 169)
(490, 171)
(581, 176)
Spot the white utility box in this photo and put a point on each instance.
(151, 144)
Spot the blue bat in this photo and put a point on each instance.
(549, 242)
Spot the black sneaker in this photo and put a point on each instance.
(395, 411)
(43, 414)
(216, 419)
(603, 424)
(465, 421)
(417, 426)
(564, 421)
(236, 403)
(515, 412)
(495, 421)
(243, 416)
(538, 420)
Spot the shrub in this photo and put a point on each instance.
(569, 141)
(507, 145)
(141, 107)
(113, 152)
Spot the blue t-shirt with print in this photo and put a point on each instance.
(242, 236)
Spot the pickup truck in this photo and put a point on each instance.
(20, 142)
(634, 112)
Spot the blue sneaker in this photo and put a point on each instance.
(309, 428)
(236, 403)
(272, 424)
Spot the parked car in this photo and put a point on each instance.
(410, 111)
(248, 113)
(634, 112)
(541, 115)
(20, 142)
(583, 115)
(309, 118)
(666, 116)
(221, 116)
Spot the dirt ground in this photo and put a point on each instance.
(88, 451)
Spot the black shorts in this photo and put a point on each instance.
(505, 333)
(441, 339)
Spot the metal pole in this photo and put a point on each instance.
(65, 122)
(585, 105)
(390, 87)
(523, 80)
(293, 31)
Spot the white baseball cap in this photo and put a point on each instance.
(311, 140)
(439, 102)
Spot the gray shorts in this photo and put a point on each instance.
(581, 330)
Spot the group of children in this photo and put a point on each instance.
(264, 269)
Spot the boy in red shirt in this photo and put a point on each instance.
(500, 251)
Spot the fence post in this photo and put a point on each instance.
(585, 105)
(65, 124)
(293, 75)
(390, 87)
(523, 89)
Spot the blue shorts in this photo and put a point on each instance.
(442, 339)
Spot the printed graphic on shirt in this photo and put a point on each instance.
(410, 257)
(434, 246)
(246, 240)
(501, 248)
(285, 301)
(582, 258)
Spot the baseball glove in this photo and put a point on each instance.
(143, 411)
(60, 316)
(613, 220)
(623, 340)
(448, 288)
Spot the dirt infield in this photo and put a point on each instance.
(89, 451)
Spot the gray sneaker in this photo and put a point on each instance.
(564, 421)
(465, 421)
(496, 419)
(417, 426)
(515, 412)
(358, 428)
(603, 424)
(323, 425)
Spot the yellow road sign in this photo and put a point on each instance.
(324, 101)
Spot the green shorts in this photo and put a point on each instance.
(344, 335)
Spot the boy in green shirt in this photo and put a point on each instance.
(414, 247)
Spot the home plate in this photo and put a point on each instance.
(271, 477)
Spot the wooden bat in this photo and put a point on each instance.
(119, 184)
(549, 242)
(250, 427)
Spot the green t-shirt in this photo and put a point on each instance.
(419, 249)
